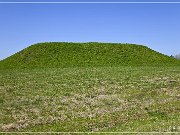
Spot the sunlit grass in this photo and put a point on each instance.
(90, 99)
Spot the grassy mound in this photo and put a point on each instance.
(106, 87)
(92, 54)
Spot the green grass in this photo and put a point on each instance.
(59, 54)
(90, 99)
(108, 87)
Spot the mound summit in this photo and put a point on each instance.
(91, 54)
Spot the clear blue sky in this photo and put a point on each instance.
(154, 25)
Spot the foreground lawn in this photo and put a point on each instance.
(90, 99)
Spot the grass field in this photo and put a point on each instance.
(118, 98)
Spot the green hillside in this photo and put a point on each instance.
(92, 54)
(107, 87)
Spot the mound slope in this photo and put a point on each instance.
(62, 54)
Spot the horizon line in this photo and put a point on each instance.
(148, 2)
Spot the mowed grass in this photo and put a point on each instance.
(83, 99)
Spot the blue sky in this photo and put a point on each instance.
(154, 25)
